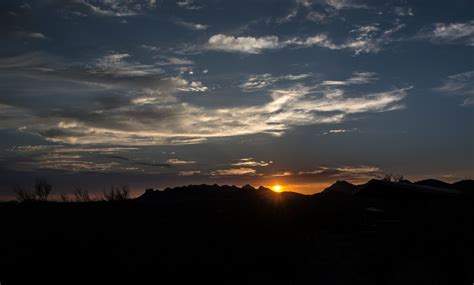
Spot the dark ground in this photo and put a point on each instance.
(239, 237)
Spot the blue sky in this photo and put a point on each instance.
(297, 92)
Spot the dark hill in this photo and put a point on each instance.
(342, 187)
(434, 183)
(395, 190)
(464, 185)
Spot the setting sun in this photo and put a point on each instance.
(277, 188)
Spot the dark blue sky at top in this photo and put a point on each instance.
(297, 92)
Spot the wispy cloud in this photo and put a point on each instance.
(175, 161)
(233, 171)
(403, 11)
(146, 110)
(189, 172)
(115, 64)
(31, 35)
(365, 39)
(249, 162)
(460, 84)
(191, 26)
(257, 82)
(358, 77)
(449, 33)
(110, 8)
(345, 4)
(189, 4)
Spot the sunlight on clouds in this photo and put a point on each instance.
(248, 162)
(234, 171)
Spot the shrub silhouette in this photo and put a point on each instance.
(64, 198)
(117, 193)
(42, 189)
(81, 195)
(23, 195)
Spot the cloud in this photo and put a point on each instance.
(251, 45)
(194, 86)
(189, 173)
(358, 77)
(339, 131)
(460, 84)
(345, 4)
(189, 4)
(370, 38)
(171, 60)
(191, 26)
(403, 11)
(120, 102)
(257, 82)
(289, 17)
(248, 162)
(110, 8)
(366, 39)
(114, 64)
(234, 171)
(316, 16)
(31, 35)
(175, 161)
(453, 33)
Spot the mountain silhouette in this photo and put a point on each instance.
(343, 187)
(434, 183)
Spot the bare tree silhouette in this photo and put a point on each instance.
(390, 177)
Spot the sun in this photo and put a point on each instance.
(277, 188)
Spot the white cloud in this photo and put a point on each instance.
(195, 86)
(188, 4)
(366, 39)
(114, 64)
(32, 35)
(171, 60)
(185, 123)
(460, 84)
(189, 173)
(316, 16)
(290, 16)
(192, 26)
(112, 8)
(358, 77)
(246, 162)
(403, 11)
(234, 171)
(443, 33)
(141, 109)
(345, 4)
(370, 38)
(176, 161)
(257, 82)
(252, 45)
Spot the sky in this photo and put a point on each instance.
(158, 93)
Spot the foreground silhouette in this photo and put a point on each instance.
(377, 233)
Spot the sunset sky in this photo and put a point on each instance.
(301, 93)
